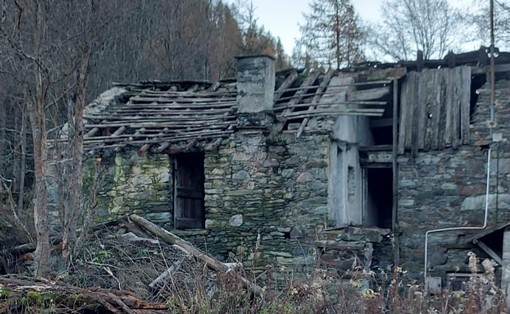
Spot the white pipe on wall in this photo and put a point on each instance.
(485, 219)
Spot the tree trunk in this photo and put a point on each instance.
(42, 251)
(23, 162)
(3, 141)
(73, 207)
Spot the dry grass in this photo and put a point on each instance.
(112, 261)
(193, 288)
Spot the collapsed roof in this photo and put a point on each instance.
(198, 115)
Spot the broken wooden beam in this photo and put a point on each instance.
(156, 283)
(316, 99)
(283, 88)
(211, 262)
(368, 94)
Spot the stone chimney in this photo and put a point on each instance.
(255, 90)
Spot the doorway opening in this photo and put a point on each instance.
(189, 209)
(378, 196)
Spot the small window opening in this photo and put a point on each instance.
(383, 135)
(351, 185)
(189, 210)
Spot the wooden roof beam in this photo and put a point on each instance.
(92, 132)
(299, 95)
(283, 88)
(316, 99)
(162, 147)
(119, 131)
(325, 112)
(368, 94)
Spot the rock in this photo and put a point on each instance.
(298, 251)
(282, 254)
(241, 175)
(405, 202)
(292, 161)
(236, 220)
(297, 232)
(217, 171)
(478, 202)
(449, 186)
(159, 217)
(211, 224)
(305, 177)
(287, 173)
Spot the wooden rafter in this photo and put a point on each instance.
(284, 87)
(298, 96)
(169, 117)
(322, 87)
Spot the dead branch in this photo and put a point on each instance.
(213, 263)
(164, 276)
(109, 301)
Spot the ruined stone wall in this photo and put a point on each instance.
(274, 189)
(432, 190)
(266, 200)
(132, 184)
(442, 189)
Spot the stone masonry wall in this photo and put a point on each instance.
(266, 200)
(442, 189)
(274, 189)
(133, 184)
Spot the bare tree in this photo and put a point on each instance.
(51, 67)
(411, 25)
(25, 50)
(332, 35)
(56, 55)
(478, 16)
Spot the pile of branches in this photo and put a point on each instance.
(29, 295)
(134, 270)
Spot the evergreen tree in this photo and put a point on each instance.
(256, 40)
(331, 35)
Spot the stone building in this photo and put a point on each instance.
(357, 168)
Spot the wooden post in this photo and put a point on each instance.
(419, 61)
(483, 59)
(451, 59)
(394, 211)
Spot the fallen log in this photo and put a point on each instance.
(19, 250)
(38, 293)
(211, 262)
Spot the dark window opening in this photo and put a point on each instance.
(382, 127)
(382, 135)
(494, 241)
(189, 210)
(379, 182)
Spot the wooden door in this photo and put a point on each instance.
(189, 191)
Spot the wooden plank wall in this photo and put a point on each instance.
(434, 109)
